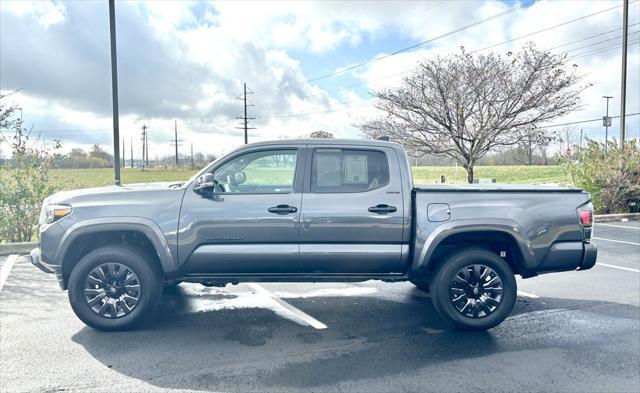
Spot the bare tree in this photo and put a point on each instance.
(532, 141)
(321, 135)
(462, 106)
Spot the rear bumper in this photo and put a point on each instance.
(565, 256)
(589, 256)
(36, 260)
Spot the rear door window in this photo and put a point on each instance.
(348, 170)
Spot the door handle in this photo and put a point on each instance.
(383, 209)
(283, 209)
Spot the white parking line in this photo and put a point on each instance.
(6, 269)
(297, 313)
(618, 267)
(616, 241)
(618, 226)
(529, 295)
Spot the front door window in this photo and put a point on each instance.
(261, 172)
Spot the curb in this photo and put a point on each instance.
(616, 217)
(17, 248)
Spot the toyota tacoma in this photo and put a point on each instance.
(310, 211)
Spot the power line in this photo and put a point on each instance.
(419, 44)
(320, 110)
(548, 28)
(587, 121)
(477, 50)
(601, 50)
(599, 42)
(593, 36)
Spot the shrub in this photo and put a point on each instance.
(24, 183)
(613, 179)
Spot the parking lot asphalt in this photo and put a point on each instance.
(569, 332)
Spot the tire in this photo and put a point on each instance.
(113, 306)
(481, 306)
(421, 284)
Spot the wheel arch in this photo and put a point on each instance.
(86, 235)
(500, 235)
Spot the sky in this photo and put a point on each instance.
(186, 62)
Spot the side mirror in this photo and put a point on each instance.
(205, 183)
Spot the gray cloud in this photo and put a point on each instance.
(69, 64)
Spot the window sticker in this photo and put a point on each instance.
(355, 169)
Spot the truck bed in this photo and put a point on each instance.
(493, 188)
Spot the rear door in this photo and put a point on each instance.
(352, 212)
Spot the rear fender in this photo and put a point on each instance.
(426, 244)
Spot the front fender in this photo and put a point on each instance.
(141, 224)
(427, 242)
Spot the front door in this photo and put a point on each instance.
(249, 225)
(353, 212)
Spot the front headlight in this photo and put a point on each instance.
(56, 212)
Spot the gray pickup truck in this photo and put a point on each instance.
(310, 211)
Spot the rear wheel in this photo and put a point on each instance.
(474, 289)
(114, 288)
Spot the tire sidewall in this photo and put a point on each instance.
(440, 289)
(134, 260)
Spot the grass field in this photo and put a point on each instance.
(81, 178)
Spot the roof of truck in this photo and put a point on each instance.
(323, 141)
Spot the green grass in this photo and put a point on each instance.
(502, 173)
(69, 179)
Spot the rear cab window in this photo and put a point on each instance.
(348, 170)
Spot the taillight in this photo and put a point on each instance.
(586, 217)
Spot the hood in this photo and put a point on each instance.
(111, 191)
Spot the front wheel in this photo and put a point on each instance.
(474, 289)
(114, 288)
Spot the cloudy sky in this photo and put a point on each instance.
(187, 61)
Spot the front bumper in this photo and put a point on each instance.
(37, 261)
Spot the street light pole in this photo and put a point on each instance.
(114, 92)
(623, 81)
(606, 126)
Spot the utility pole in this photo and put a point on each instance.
(175, 129)
(114, 92)
(144, 141)
(580, 149)
(124, 160)
(192, 165)
(175, 141)
(131, 155)
(607, 123)
(246, 119)
(146, 147)
(623, 78)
